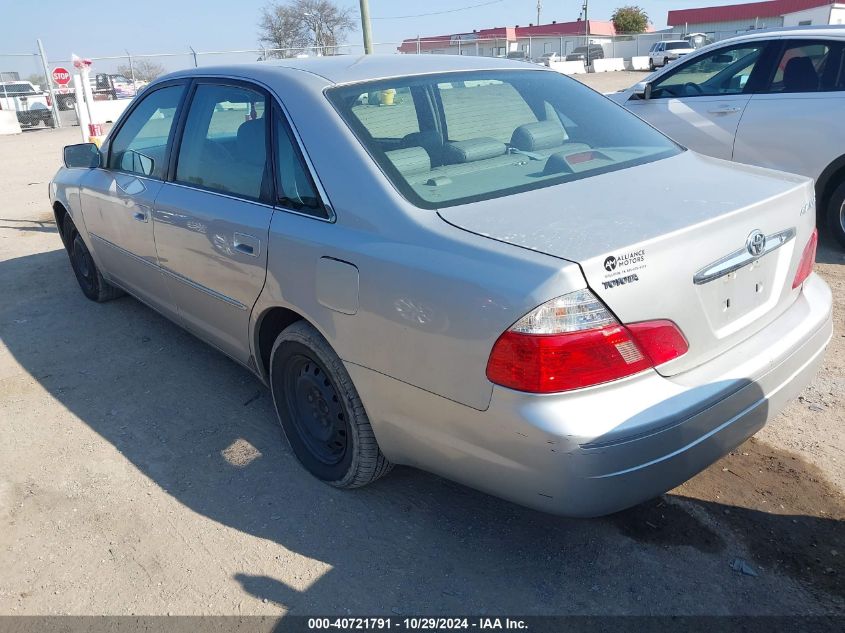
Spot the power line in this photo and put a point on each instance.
(422, 15)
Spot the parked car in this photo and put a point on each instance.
(104, 86)
(546, 58)
(525, 304)
(586, 54)
(521, 56)
(32, 105)
(768, 98)
(662, 53)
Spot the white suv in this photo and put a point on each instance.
(770, 98)
(662, 53)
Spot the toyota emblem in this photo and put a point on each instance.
(756, 243)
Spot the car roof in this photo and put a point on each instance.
(338, 69)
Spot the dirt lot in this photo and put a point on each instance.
(141, 472)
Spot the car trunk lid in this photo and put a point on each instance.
(668, 240)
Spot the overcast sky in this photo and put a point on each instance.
(97, 28)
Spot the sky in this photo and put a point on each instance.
(110, 27)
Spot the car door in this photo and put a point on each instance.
(213, 215)
(117, 199)
(794, 121)
(700, 102)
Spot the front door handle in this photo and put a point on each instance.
(725, 110)
(141, 216)
(246, 244)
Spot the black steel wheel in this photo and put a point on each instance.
(321, 412)
(836, 214)
(92, 283)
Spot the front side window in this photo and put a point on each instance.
(722, 72)
(489, 134)
(808, 67)
(140, 145)
(224, 145)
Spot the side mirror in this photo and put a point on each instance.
(82, 155)
(642, 90)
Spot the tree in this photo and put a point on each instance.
(630, 19)
(296, 25)
(141, 70)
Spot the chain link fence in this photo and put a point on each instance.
(120, 76)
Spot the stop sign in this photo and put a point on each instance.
(61, 76)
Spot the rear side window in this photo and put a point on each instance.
(489, 134)
(224, 144)
(808, 67)
(295, 188)
(141, 142)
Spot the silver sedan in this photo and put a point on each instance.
(472, 266)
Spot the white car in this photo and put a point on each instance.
(662, 53)
(774, 99)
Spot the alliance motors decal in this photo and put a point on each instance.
(621, 269)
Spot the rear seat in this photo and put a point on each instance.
(459, 158)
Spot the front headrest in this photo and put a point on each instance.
(536, 136)
(472, 149)
(800, 75)
(252, 141)
(410, 160)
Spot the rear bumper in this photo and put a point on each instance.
(599, 450)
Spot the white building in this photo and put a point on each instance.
(724, 21)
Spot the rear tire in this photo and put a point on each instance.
(91, 281)
(651, 66)
(836, 214)
(321, 412)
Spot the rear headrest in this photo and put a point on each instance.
(472, 149)
(540, 135)
(252, 141)
(411, 160)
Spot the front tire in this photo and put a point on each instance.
(836, 214)
(91, 281)
(321, 412)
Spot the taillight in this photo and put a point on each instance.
(49, 101)
(574, 342)
(808, 258)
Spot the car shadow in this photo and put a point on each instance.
(203, 429)
(829, 250)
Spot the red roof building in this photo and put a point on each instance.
(748, 11)
(507, 33)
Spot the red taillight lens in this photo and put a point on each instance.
(808, 258)
(49, 101)
(662, 341)
(548, 363)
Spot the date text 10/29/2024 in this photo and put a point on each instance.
(416, 624)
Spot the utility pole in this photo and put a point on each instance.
(48, 78)
(539, 7)
(365, 27)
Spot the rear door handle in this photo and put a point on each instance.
(246, 244)
(725, 110)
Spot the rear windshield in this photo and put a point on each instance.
(675, 45)
(455, 138)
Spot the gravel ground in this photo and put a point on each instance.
(142, 472)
